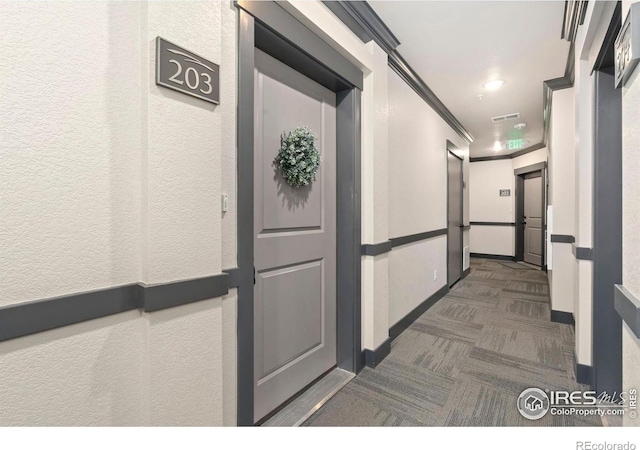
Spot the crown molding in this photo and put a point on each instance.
(363, 21)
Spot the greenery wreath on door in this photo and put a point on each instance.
(298, 158)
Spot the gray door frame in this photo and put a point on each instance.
(519, 194)
(267, 26)
(451, 148)
(606, 375)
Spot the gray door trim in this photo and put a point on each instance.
(317, 54)
(451, 150)
(531, 168)
(245, 136)
(349, 264)
(519, 194)
(295, 45)
(607, 217)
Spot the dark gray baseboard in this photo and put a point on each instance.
(628, 308)
(562, 317)
(489, 256)
(41, 315)
(407, 320)
(466, 273)
(372, 358)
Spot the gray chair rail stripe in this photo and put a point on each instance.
(497, 224)
(582, 253)
(376, 249)
(627, 306)
(163, 296)
(403, 240)
(41, 315)
(563, 238)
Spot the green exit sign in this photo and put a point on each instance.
(515, 144)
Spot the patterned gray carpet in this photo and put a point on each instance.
(465, 361)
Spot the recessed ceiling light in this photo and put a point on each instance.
(497, 146)
(493, 85)
(520, 126)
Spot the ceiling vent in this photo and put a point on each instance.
(506, 117)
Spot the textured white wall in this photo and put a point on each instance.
(584, 108)
(89, 374)
(417, 196)
(183, 156)
(375, 200)
(107, 179)
(562, 182)
(630, 221)
(530, 158)
(492, 240)
(486, 179)
(563, 285)
(562, 177)
(417, 162)
(411, 270)
(69, 147)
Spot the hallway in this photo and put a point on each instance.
(465, 361)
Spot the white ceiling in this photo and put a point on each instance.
(457, 46)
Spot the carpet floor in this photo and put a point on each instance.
(466, 359)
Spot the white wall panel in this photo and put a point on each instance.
(417, 162)
(411, 270)
(492, 240)
(486, 179)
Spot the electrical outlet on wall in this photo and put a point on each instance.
(435, 275)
